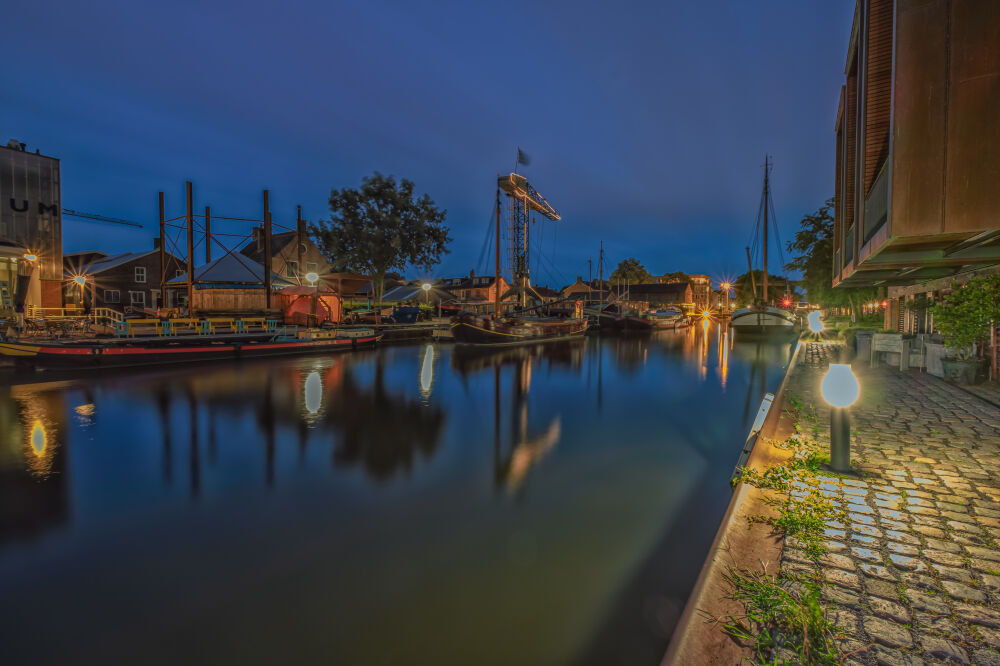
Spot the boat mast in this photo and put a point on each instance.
(496, 282)
(753, 281)
(766, 196)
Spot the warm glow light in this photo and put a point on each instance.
(815, 325)
(726, 286)
(426, 286)
(427, 371)
(312, 277)
(38, 438)
(313, 392)
(840, 386)
(80, 280)
(31, 257)
(706, 314)
(786, 302)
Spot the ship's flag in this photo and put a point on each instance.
(522, 158)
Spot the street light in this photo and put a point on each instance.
(426, 286)
(726, 287)
(840, 388)
(815, 324)
(313, 278)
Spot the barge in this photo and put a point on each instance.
(181, 349)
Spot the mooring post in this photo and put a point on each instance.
(208, 234)
(190, 249)
(267, 251)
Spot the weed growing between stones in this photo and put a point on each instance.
(781, 623)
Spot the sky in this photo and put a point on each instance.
(646, 122)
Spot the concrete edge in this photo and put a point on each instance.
(738, 543)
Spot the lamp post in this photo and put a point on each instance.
(726, 287)
(82, 281)
(840, 389)
(313, 278)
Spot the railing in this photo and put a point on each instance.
(107, 313)
(35, 312)
(877, 203)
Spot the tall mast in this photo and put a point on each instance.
(496, 282)
(767, 194)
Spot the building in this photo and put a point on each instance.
(293, 254)
(128, 282)
(593, 291)
(701, 288)
(646, 296)
(30, 229)
(917, 202)
(474, 288)
(231, 284)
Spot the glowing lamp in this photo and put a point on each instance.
(426, 286)
(815, 324)
(80, 280)
(312, 277)
(840, 386)
(840, 389)
(31, 257)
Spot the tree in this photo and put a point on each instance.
(743, 287)
(678, 276)
(381, 228)
(968, 314)
(813, 246)
(631, 271)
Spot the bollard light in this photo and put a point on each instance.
(840, 389)
(815, 324)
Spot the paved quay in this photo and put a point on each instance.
(911, 571)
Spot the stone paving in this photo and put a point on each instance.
(912, 570)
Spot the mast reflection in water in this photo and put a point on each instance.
(542, 504)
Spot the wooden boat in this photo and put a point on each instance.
(668, 318)
(761, 319)
(181, 349)
(479, 330)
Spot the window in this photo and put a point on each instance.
(137, 298)
(140, 274)
(112, 296)
(311, 268)
(291, 268)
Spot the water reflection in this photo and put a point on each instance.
(390, 500)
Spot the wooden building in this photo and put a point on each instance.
(127, 282)
(917, 131)
(293, 254)
(651, 296)
(474, 288)
(232, 284)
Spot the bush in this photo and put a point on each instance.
(850, 333)
(965, 317)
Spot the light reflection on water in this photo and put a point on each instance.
(426, 504)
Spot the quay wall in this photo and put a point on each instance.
(695, 640)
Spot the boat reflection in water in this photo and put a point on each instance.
(418, 504)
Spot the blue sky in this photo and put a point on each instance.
(647, 122)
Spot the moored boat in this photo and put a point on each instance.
(184, 349)
(763, 320)
(473, 329)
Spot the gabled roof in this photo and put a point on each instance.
(232, 269)
(545, 292)
(278, 242)
(106, 263)
(468, 282)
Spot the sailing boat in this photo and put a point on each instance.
(519, 327)
(760, 318)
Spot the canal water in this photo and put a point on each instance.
(419, 504)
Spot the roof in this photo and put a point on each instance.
(106, 263)
(467, 282)
(414, 292)
(232, 269)
(545, 292)
(672, 290)
(278, 241)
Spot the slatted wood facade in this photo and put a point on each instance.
(878, 88)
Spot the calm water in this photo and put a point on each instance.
(410, 505)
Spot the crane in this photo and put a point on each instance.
(523, 200)
(98, 218)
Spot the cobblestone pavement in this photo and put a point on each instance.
(913, 569)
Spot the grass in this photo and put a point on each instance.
(781, 624)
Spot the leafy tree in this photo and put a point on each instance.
(631, 271)
(813, 246)
(679, 276)
(380, 228)
(743, 287)
(967, 314)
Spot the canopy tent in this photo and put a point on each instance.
(310, 306)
